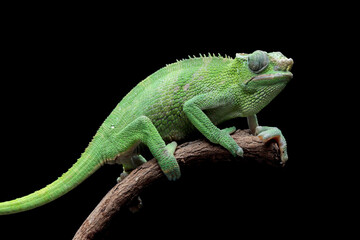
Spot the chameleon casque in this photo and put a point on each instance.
(192, 94)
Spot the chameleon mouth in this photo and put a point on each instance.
(277, 76)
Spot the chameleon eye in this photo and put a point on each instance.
(258, 61)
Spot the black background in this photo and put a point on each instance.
(63, 72)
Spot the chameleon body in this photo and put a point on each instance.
(190, 95)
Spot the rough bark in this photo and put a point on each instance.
(187, 154)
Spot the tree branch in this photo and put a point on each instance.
(187, 154)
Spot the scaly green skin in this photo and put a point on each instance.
(192, 94)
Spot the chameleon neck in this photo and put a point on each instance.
(87, 164)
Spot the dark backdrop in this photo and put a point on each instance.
(64, 75)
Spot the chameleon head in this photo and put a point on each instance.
(262, 76)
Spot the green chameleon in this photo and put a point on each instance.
(192, 94)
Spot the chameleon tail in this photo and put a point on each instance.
(87, 164)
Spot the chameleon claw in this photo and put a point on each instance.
(240, 152)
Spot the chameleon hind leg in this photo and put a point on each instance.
(143, 130)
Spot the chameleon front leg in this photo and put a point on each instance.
(193, 109)
(268, 133)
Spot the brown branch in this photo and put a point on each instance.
(187, 154)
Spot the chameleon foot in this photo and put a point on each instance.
(123, 175)
(168, 163)
(273, 133)
(229, 143)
